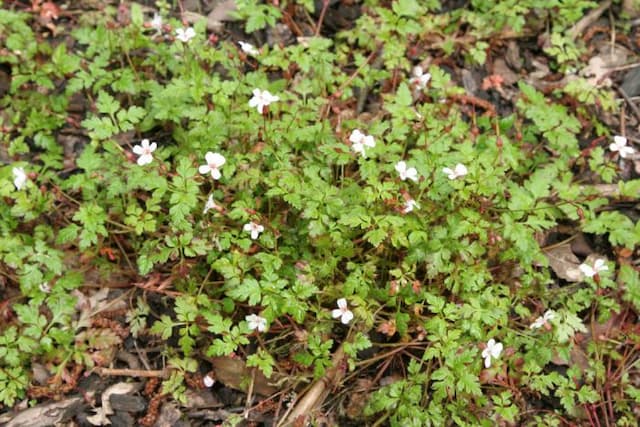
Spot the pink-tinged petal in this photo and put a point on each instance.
(209, 157)
(204, 169)
(342, 303)
(218, 159)
(137, 149)
(487, 362)
(336, 312)
(215, 174)
(153, 147)
(144, 159)
(247, 227)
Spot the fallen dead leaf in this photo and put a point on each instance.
(101, 414)
(564, 262)
(234, 373)
(46, 415)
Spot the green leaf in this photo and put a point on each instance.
(163, 327)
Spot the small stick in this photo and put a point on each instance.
(131, 372)
(247, 406)
(629, 102)
(325, 6)
(318, 391)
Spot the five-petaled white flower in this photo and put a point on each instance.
(410, 173)
(342, 312)
(19, 178)
(359, 141)
(493, 349)
(543, 320)
(214, 163)
(261, 99)
(156, 22)
(248, 48)
(253, 228)
(210, 204)
(144, 150)
(208, 381)
(598, 266)
(620, 145)
(420, 78)
(185, 34)
(458, 171)
(410, 205)
(256, 322)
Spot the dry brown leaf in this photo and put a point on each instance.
(564, 262)
(234, 373)
(101, 416)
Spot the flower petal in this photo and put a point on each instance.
(347, 316)
(218, 159)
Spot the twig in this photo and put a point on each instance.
(131, 372)
(247, 406)
(325, 6)
(633, 107)
(318, 392)
(588, 19)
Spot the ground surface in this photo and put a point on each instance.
(129, 369)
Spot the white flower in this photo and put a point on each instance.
(342, 312)
(261, 99)
(359, 141)
(254, 229)
(598, 266)
(493, 350)
(156, 22)
(210, 204)
(410, 205)
(405, 172)
(248, 48)
(144, 150)
(208, 381)
(542, 320)
(185, 34)
(214, 163)
(19, 178)
(458, 171)
(620, 145)
(44, 287)
(420, 78)
(256, 322)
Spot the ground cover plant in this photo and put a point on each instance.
(347, 212)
